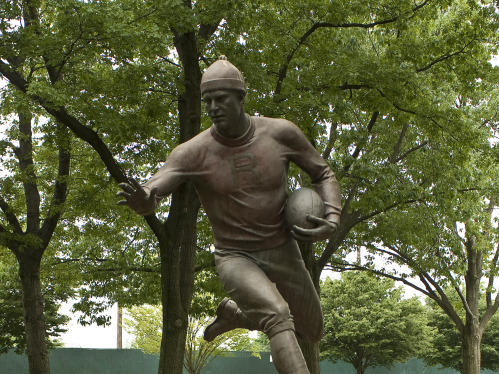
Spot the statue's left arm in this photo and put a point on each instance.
(306, 157)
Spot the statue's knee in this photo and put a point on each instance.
(278, 319)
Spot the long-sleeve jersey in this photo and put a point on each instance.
(241, 182)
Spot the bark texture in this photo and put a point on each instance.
(178, 255)
(311, 351)
(472, 336)
(29, 245)
(34, 320)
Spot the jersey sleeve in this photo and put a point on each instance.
(173, 173)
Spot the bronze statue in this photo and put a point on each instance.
(239, 169)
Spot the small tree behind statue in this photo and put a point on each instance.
(368, 324)
(145, 324)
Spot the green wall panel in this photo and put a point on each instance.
(133, 361)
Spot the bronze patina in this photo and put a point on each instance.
(239, 169)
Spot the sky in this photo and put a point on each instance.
(92, 336)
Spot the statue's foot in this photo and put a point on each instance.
(224, 321)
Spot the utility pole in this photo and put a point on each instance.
(120, 327)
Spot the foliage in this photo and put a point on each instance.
(12, 331)
(390, 93)
(368, 324)
(262, 343)
(446, 342)
(145, 325)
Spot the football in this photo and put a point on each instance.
(300, 203)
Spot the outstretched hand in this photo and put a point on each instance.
(323, 231)
(140, 199)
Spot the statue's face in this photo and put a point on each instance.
(225, 109)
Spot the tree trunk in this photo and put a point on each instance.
(471, 349)
(34, 322)
(178, 256)
(472, 337)
(177, 278)
(311, 351)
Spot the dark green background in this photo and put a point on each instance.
(133, 361)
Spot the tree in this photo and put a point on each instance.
(145, 324)
(32, 199)
(447, 247)
(49, 51)
(368, 324)
(446, 342)
(373, 87)
(448, 242)
(12, 333)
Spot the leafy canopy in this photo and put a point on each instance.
(368, 324)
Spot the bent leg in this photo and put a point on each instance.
(286, 268)
(254, 293)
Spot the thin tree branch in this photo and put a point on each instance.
(493, 268)
(60, 188)
(445, 57)
(26, 166)
(407, 153)
(396, 148)
(11, 217)
(168, 61)
(333, 135)
(16, 150)
(318, 25)
(356, 267)
(363, 142)
(386, 209)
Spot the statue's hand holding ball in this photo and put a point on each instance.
(304, 216)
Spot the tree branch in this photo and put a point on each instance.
(317, 25)
(357, 267)
(333, 135)
(407, 153)
(60, 188)
(396, 148)
(27, 168)
(491, 310)
(363, 142)
(11, 217)
(206, 31)
(386, 209)
(445, 57)
(86, 134)
(4, 144)
(493, 268)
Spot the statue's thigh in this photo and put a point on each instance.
(254, 293)
(287, 269)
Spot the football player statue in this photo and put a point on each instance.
(239, 169)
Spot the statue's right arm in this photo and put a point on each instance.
(144, 199)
